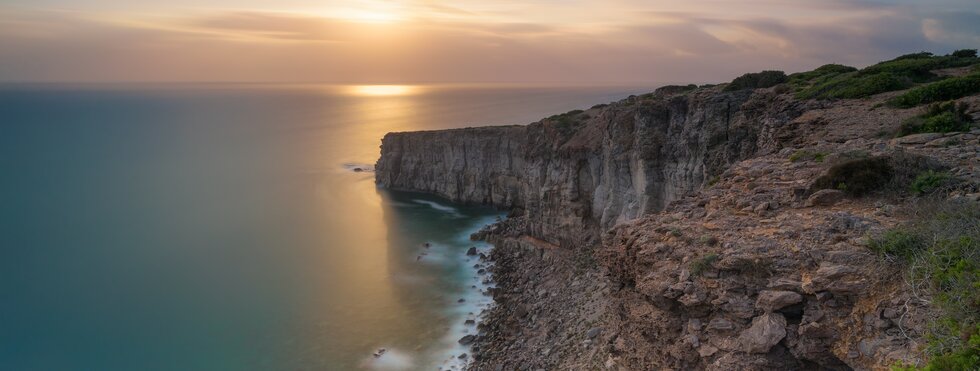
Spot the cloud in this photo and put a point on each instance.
(953, 28)
(701, 42)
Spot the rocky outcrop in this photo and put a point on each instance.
(682, 230)
(576, 174)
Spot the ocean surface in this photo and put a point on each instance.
(222, 227)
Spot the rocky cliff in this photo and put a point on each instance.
(587, 171)
(691, 230)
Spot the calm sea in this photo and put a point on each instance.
(221, 227)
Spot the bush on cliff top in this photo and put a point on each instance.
(758, 80)
(947, 89)
(836, 81)
(888, 174)
(940, 250)
(568, 121)
(939, 118)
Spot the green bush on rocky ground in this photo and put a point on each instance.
(566, 122)
(939, 118)
(940, 251)
(951, 88)
(758, 80)
(837, 81)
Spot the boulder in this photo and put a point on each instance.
(593, 332)
(825, 197)
(467, 340)
(720, 324)
(772, 300)
(766, 330)
(471, 251)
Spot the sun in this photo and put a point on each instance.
(381, 90)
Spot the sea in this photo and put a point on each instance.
(238, 226)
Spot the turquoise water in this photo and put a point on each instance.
(221, 228)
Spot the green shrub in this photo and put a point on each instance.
(857, 177)
(965, 53)
(764, 79)
(701, 265)
(674, 89)
(827, 69)
(853, 85)
(940, 250)
(708, 240)
(939, 118)
(919, 68)
(804, 155)
(836, 81)
(929, 181)
(951, 88)
(898, 243)
(566, 123)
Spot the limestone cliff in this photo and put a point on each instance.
(576, 174)
(689, 230)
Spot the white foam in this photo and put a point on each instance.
(435, 205)
(476, 303)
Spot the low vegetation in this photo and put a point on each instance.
(889, 174)
(947, 89)
(674, 89)
(929, 181)
(940, 251)
(838, 81)
(758, 80)
(939, 118)
(702, 264)
(804, 155)
(568, 121)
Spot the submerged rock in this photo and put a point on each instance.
(467, 340)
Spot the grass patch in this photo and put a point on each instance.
(939, 118)
(702, 264)
(764, 79)
(947, 89)
(940, 250)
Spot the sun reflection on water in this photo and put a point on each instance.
(383, 90)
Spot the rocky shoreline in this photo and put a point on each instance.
(695, 229)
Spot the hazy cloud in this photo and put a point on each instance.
(698, 41)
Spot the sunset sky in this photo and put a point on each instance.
(420, 41)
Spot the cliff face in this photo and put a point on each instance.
(577, 174)
(683, 231)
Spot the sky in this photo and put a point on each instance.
(463, 41)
